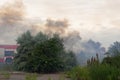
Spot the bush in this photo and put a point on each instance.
(79, 73)
(112, 61)
(42, 54)
(103, 72)
(94, 72)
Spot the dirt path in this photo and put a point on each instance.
(40, 77)
(52, 77)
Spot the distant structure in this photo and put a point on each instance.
(7, 53)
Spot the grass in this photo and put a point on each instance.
(5, 70)
(62, 77)
(49, 78)
(91, 72)
(5, 75)
(104, 72)
(94, 72)
(31, 76)
(79, 73)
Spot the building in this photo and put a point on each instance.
(7, 53)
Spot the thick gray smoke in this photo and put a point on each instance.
(13, 23)
(57, 26)
(58, 23)
(90, 49)
(72, 42)
(84, 49)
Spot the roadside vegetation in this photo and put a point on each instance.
(41, 53)
(109, 69)
(32, 76)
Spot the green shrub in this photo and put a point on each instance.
(113, 61)
(94, 72)
(42, 54)
(79, 73)
(103, 72)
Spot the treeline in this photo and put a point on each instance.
(42, 54)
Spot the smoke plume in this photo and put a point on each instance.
(13, 22)
(11, 17)
(11, 13)
(90, 49)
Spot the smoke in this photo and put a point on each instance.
(90, 49)
(56, 26)
(11, 17)
(13, 22)
(72, 42)
(11, 13)
(58, 23)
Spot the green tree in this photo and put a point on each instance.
(24, 50)
(113, 55)
(41, 53)
(70, 60)
(48, 56)
(114, 49)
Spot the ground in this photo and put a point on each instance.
(21, 76)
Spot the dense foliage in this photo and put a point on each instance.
(113, 55)
(114, 50)
(94, 72)
(104, 72)
(79, 73)
(109, 69)
(41, 53)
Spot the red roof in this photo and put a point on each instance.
(9, 46)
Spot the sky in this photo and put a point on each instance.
(93, 19)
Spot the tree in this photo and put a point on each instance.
(70, 60)
(113, 55)
(41, 53)
(24, 50)
(47, 56)
(114, 49)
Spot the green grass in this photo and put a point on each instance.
(94, 72)
(62, 77)
(49, 78)
(5, 74)
(104, 72)
(31, 76)
(79, 73)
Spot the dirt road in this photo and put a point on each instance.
(40, 77)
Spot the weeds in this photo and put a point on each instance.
(5, 75)
(103, 72)
(49, 78)
(62, 77)
(94, 72)
(31, 76)
(79, 73)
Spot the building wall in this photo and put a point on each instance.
(7, 53)
(2, 50)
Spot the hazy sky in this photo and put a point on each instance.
(95, 19)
